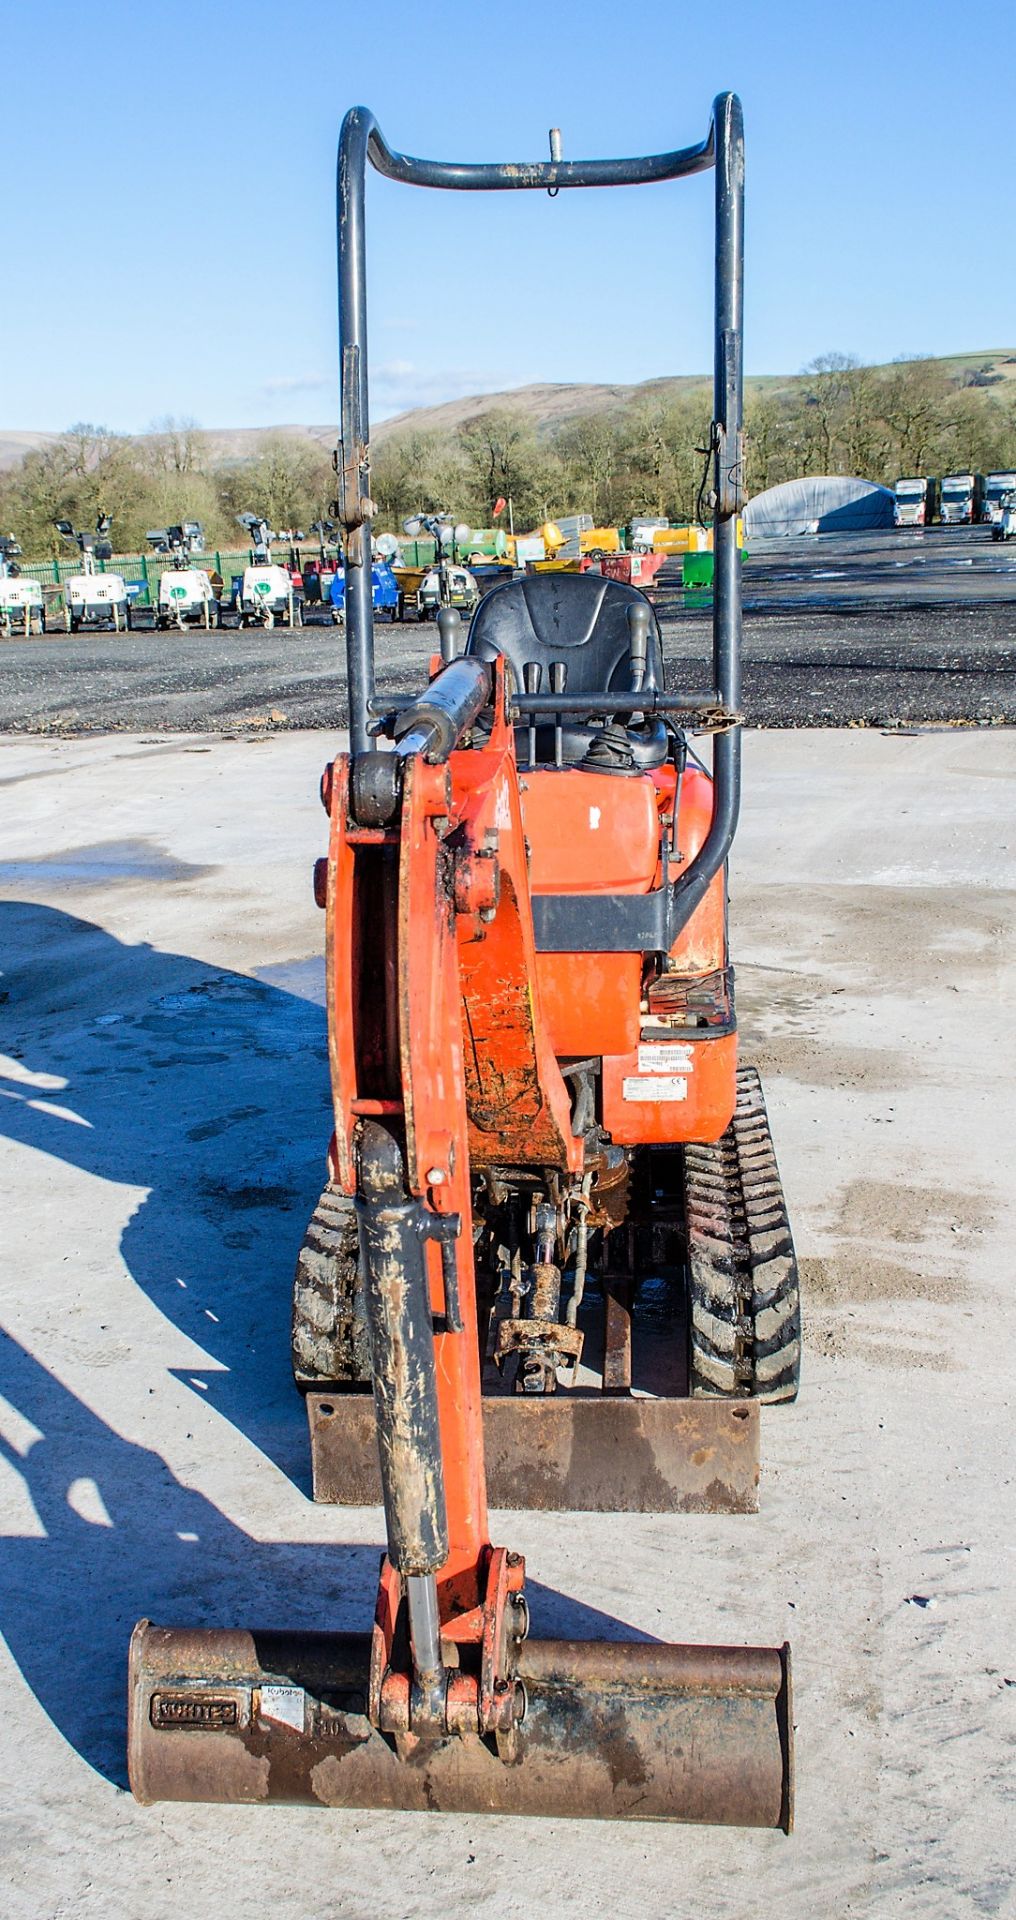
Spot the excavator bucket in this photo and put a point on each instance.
(612, 1731)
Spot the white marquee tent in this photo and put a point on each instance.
(819, 503)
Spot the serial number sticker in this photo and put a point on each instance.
(657, 1086)
(665, 1056)
(284, 1704)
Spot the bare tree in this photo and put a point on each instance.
(588, 448)
(500, 449)
(176, 442)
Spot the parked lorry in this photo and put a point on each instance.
(961, 499)
(915, 501)
(996, 486)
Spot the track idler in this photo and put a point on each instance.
(612, 1731)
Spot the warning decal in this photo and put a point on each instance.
(665, 1056)
(285, 1704)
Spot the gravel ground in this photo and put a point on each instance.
(871, 629)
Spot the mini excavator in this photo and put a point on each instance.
(542, 1137)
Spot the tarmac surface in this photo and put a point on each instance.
(867, 629)
(163, 1121)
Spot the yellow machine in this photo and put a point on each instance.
(593, 541)
(599, 540)
(689, 539)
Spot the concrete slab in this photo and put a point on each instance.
(163, 1120)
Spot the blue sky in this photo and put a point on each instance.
(168, 213)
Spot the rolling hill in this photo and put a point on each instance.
(546, 404)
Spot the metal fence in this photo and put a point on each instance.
(142, 571)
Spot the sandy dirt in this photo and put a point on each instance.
(164, 1116)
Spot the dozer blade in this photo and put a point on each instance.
(615, 1731)
(568, 1453)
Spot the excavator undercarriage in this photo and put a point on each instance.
(673, 1311)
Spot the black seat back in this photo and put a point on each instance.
(579, 618)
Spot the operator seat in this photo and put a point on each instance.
(580, 620)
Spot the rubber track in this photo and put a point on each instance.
(745, 1338)
(329, 1335)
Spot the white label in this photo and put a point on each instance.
(665, 1056)
(660, 1086)
(594, 819)
(284, 1704)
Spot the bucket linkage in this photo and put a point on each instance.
(449, 1706)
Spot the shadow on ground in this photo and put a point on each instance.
(208, 1089)
(124, 1539)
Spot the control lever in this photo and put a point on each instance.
(638, 634)
(558, 682)
(638, 630)
(448, 625)
(532, 674)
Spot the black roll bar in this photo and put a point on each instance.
(559, 920)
